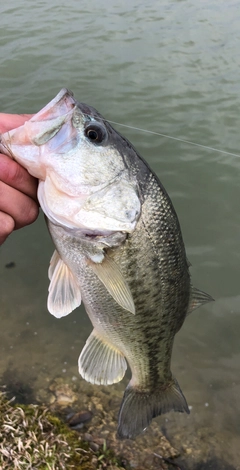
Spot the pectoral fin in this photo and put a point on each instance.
(53, 263)
(100, 362)
(198, 298)
(64, 293)
(110, 275)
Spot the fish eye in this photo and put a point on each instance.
(95, 133)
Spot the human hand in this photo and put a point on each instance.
(18, 189)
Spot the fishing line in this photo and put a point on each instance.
(176, 138)
(171, 137)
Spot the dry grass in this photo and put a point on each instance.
(32, 438)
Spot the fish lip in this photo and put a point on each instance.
(62, 105)
(64, 96)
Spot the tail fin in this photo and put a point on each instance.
(138, 408)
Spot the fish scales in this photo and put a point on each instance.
(119, 249)
(160, 293)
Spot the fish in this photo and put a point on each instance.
(118, 250)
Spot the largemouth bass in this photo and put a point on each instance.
(119, 250)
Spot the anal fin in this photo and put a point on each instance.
(100, 362)
(64, 293)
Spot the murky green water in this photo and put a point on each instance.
(171, 67)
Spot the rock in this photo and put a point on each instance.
(87, 437)
(80, 418)
(62, 394)
(94, 446)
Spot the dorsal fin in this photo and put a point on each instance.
(198, 298)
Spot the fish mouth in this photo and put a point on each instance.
(52, 117)
(61, 104)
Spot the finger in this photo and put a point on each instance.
(11, 121)
(16, 176)
(23, 209)
(7, 225)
